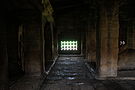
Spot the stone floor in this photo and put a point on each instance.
(72, 74)
(27, 83)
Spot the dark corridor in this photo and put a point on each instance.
(69, 43)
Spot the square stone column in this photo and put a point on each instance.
(91, 43)
(108, 40)
(33, 48)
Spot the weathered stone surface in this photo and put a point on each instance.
(126, 60)
(91, 45)
(32, 49)
(27, 83)
(72, 74)
(108, 27)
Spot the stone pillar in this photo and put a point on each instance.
(91, 43)
(55, 35)
(108, 38)
(3, 57)
(33, 48)
(52, 36)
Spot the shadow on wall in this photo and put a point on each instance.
(15, 71)
(127, 60)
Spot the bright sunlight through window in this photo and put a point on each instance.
(69, 45)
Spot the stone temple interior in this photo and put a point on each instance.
(67, 45)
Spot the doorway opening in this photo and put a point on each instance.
(69, 45)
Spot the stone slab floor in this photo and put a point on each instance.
(72, 74)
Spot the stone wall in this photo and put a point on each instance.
(91, 36)
(126, 60)
(126, 57)
(3, 55)
(91, 46)
(131, 35)
(32, 48)
(72, 24)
